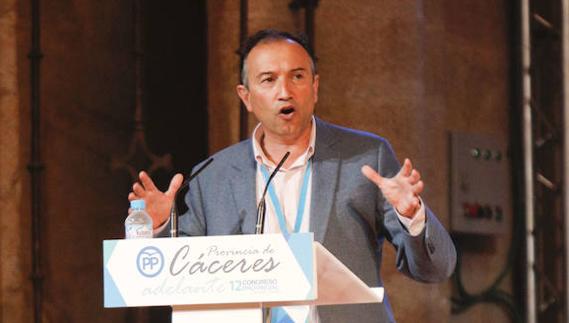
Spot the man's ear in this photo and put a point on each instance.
(243, 93)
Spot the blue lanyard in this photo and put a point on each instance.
(301, 201)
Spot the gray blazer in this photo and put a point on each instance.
(349, 214)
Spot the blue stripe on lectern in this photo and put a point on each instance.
(301, 246)
(108, 248)
(113, 297)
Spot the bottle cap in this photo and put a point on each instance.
(137, 205)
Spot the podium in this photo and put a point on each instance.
(228, 278)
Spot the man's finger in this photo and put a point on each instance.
(409, 208)
(372, 175)
(406, 168)
(138, 190)
(414, 177)
(175, 184)
(418, 188)
(147, 181)
(132, 196)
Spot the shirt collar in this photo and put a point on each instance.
(301, 161)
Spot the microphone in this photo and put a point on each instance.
(174, 210)
(261, 207)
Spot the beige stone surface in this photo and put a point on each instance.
(87, 103)
(14, 246)
(270, 14)
(87, 95)
(412, 72)
(223, 73)
(374, 76)
(477, 98)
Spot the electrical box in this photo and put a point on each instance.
(479, 184)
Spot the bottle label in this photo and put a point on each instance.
(138, 232)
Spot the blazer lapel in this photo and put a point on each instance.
(243, 179)
(326, 166)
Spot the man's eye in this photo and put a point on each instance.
(299, 76)
(267, 80)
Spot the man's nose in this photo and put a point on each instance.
(285, 91)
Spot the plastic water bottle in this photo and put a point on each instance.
(138, 224)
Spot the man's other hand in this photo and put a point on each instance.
(158, 203)
(402, 190)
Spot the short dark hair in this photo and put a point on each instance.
(268, 35)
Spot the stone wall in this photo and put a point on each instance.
(14, 225)
(410, 71)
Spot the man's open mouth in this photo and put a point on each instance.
(287, 110)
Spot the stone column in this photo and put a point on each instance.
(222, 73)
(14, 245)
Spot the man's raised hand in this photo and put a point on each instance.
(402, 190)
(158, 203)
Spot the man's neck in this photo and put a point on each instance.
(275, 148)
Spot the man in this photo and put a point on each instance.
(328, 185)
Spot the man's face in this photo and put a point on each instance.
(282, 89)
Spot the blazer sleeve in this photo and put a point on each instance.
(427, 257)
(192, 222)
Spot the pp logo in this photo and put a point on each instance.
(150, 261)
